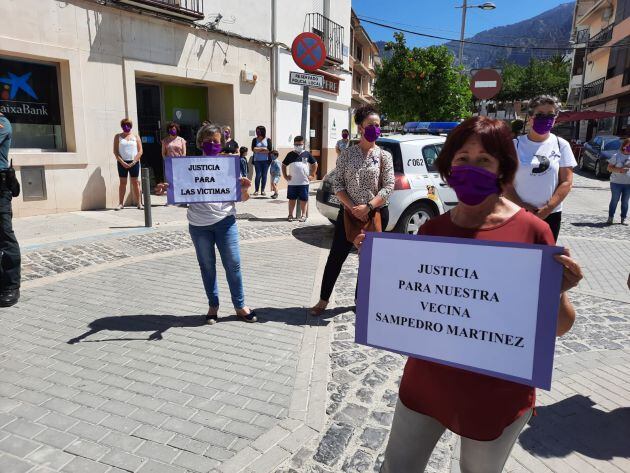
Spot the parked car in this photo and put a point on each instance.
(597, 152)
(433, 128)
(419, 192)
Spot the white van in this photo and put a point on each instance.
(419, 193)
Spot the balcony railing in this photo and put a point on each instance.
(330, 32)
(582, 36)
(186, 9)
(602, 37)
(594, 88)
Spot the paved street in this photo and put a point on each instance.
(107, 367)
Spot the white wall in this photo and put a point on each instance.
(250, 18)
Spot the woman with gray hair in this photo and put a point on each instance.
(545, 173)
(214, 225)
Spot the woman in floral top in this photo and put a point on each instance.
(363, 181)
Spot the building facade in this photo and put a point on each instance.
(364, 57)
(601, 62)
(70, 71)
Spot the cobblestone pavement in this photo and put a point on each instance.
(115, 371)
(60, 259)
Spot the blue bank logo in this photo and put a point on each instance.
(18, 83)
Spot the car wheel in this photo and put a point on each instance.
(599, 170)
(414, 217)
(582, 163)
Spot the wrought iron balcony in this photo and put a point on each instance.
(602, 37)
(184, 9)
(594, 88)
(330, 32)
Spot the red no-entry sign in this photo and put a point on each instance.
(308, 51)
(486, 83)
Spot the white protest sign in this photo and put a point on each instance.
(486, 307)
(203, 179)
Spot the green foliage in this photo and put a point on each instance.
(421, 84)
(540, 76)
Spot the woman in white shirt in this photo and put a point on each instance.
(214, 225)
(545, 173)
(128, 151)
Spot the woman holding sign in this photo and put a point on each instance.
(478, 161)
(214, 225)
(364, 180)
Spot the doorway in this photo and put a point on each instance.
(315, 134)
(149, 128)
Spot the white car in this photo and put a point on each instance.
(419, 192)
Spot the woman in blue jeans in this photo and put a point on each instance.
(214, 225)
(619, 167)
(261, 147)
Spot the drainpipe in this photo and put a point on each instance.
(274, 70)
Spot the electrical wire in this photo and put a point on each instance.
(493, 45)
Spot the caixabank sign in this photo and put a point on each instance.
(29, 92)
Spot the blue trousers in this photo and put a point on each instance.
(262, 169)
(223, 235)
(619, 191)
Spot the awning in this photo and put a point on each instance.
(584, 115)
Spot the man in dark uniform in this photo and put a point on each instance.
(9, 247)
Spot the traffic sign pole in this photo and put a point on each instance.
(305, 92)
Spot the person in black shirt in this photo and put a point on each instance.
(230, 145)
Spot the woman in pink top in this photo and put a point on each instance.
(172, 146)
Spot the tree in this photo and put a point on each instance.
(540, 76)
(421, 84)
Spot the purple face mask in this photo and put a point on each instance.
(473, 184)
(344, 136)
(172, 132)
(210, 148)
(126, 128)
(226, 134)
(543, 125)
(372, 132)
(626, 149)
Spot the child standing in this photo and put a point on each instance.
(275, 171)
(243, 152)
(298, 168)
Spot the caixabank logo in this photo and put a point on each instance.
(29, 92)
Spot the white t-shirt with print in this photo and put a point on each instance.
(537, 176)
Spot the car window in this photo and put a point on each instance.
(612, 145)
(394, 149)
(430, 154)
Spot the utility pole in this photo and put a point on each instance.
(463, 32)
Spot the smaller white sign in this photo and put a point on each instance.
(303, 78)
(485, 84)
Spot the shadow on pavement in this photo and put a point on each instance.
(158, 324)
(275, 219)
(316, 235)
(574, 425)
(590, 224)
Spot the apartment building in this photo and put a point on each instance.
(69, 71)
(364, 57)
(601, 62)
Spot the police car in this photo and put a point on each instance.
(419, 192)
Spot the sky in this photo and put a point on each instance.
(441, 18)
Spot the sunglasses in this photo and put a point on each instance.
(545, 116)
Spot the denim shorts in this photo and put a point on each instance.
(134, 171)
(298, 192)
(275, 178)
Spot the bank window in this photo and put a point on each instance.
(30, 99)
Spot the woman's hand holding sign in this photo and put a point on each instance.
(572, 273)
(245, 185)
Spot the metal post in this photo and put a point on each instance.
(298, 210)
(146, 195)
(462, 35)
(579, 107)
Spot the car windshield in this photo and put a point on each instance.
(612, 145)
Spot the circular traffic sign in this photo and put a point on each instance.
(486, 83)
(308, 51)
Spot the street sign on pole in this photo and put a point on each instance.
(308, 51)
(486, 84)
(309, 80)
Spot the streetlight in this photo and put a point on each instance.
(464, 7)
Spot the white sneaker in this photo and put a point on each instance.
(119, 207)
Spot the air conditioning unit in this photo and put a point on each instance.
(249, 77)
